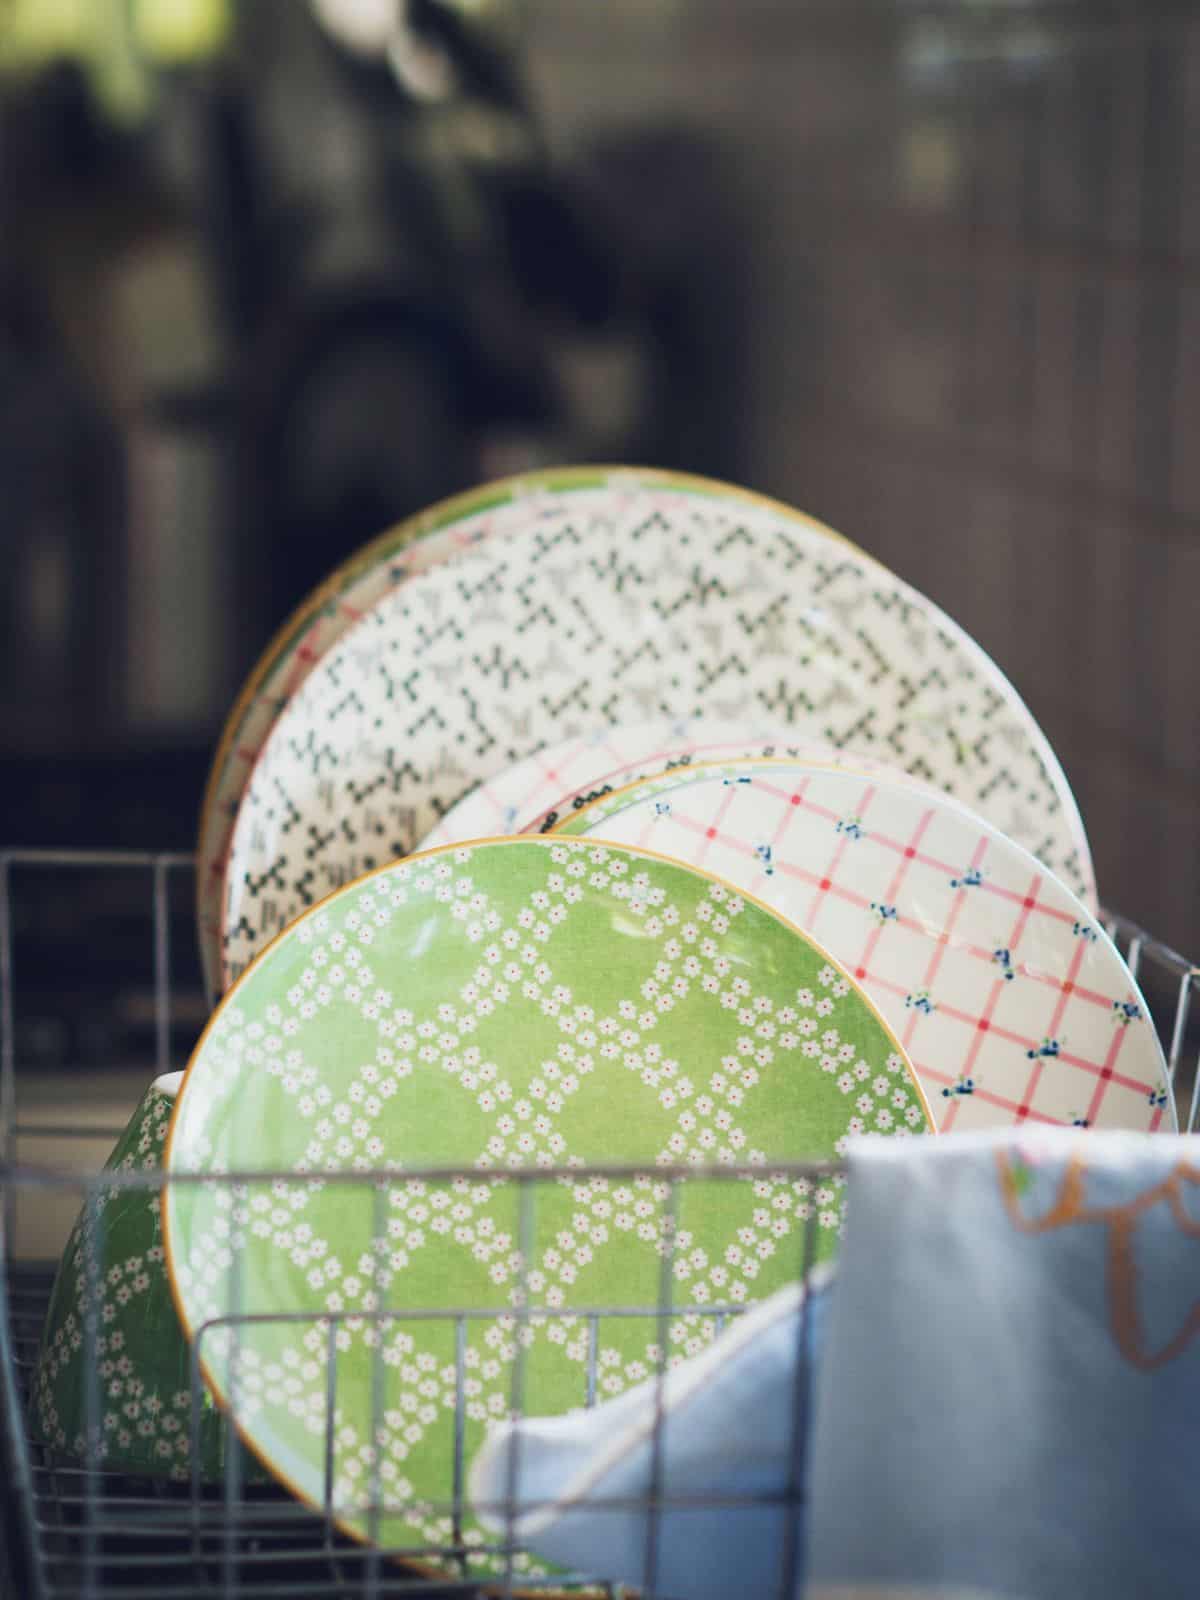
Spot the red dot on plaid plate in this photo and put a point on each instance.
(860, 972)
(983, 1024)
(1022, 1113)
(1105, 1074)
(795, 799)
(1068, 986)
(710, 833)
(910, 852)
(1030, 902)
(826, 883)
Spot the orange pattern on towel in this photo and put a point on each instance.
(1070, 1209)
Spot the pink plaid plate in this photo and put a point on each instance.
(1010, 999)
(532, 795)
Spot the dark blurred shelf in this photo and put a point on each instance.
(144, 798)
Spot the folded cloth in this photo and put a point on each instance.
(1009, 1399)
(730, 1425)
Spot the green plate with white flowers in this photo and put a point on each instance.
(519, 1004)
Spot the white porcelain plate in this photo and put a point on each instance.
(532, 795)
(641, 604)
(423, 542)
(1011, 1001)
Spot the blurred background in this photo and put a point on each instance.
(276, 273)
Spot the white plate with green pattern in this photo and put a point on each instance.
(638, 604)
(525, 1003)
(543, 500)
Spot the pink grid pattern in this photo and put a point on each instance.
(923, 858)
(520, 799)
(779, 745)
(564, 769)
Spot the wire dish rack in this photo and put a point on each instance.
(75, 1528)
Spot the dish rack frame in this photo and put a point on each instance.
(81, 1531)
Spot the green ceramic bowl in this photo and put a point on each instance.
(143, 1422)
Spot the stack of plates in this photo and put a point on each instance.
(599, 817)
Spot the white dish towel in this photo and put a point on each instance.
(730, 1422)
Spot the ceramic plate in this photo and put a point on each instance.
(1011, 1001)
(779, 748)
(531, 795)
(423, 542)
(518, 1003)
(648, 605)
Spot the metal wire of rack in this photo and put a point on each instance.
(76, 1528)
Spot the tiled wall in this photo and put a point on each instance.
(970, 300)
